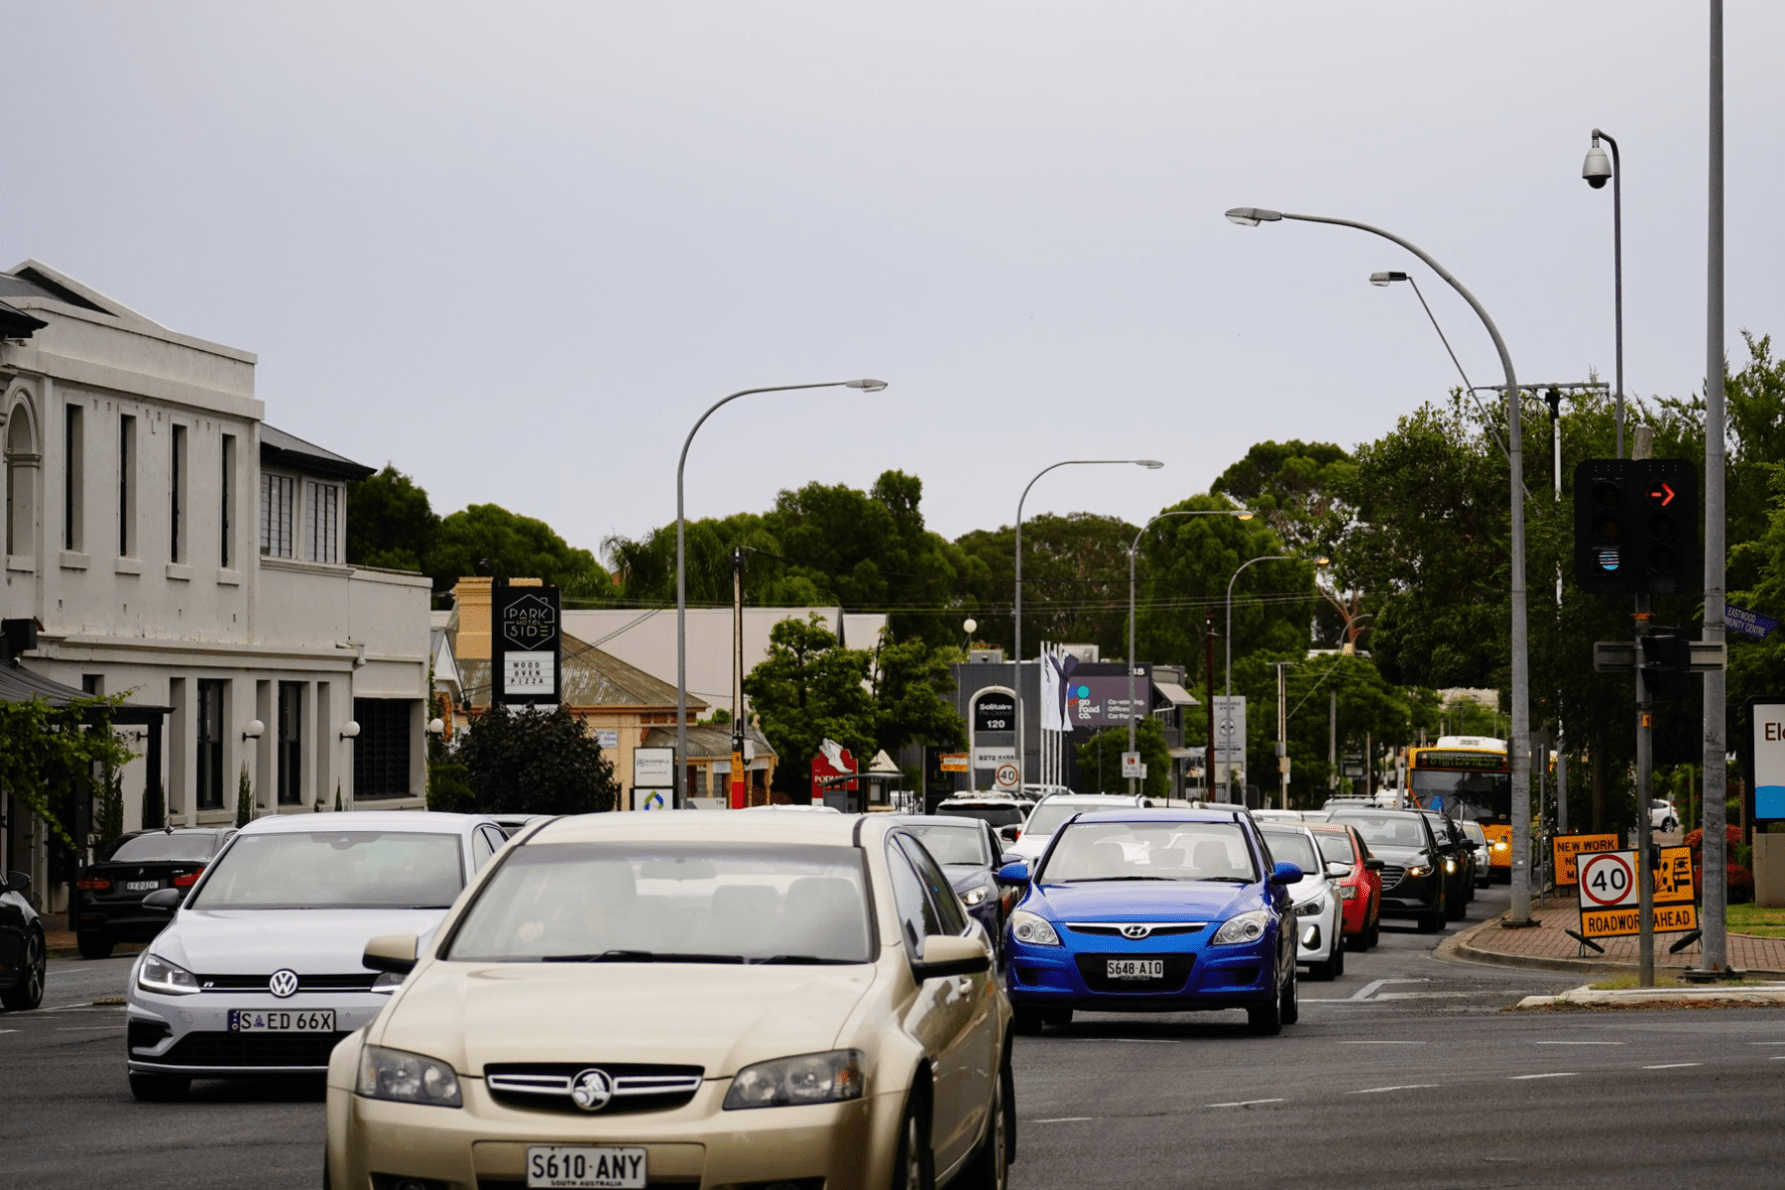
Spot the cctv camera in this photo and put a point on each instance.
(1597, 168)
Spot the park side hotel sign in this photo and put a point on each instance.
(526, 636)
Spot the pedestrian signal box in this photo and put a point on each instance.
(1636, 526)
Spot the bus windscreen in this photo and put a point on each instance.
(1478, 796)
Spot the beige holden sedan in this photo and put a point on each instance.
(701, 999)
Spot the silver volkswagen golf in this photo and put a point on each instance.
(259, 972)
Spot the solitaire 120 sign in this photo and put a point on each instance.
(527, 645)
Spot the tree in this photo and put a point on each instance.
(389, 522)
(806, 690)
(48, 755)
(1075, 581)
(528, 762)
(483, 536)
(911, 699)
(1101, 757)
(244, 799)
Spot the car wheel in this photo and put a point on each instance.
(159, 1088)
(915, 1166)
(1433, 919)
(1338, 962)
(1455, 908)
(1358, 941)
(1026, 1021)
(1266, 1019)
(94, 945)
(989, 1168)
(1670, 825)
(1289, 1005)
(1373, 934)
(1058, 1017)
(27, 993)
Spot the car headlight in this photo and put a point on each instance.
(1032, 929)
(156, 974)
(1317, 905)
(1242, 927)
(1420, 870)
(787, 1082)
(407, 1078)
(1500, 845)
(1348, 892)
(387, 982)
(1450, 865)
(976, 895)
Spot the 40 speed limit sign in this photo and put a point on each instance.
(1610, 894)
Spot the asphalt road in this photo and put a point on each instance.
(1403, 1072)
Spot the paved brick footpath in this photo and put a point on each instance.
(1546, 942)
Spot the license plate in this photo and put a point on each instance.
(576, 1166)
(1137, 968)
(282, 1020)
(141, 885)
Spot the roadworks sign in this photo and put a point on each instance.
(1567, 847)
(1621, 923)
(1609, 894)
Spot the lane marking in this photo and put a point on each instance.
(1558, 1074)
(1777, 1058)
(1766, 1043)
(1365, 992)
(1577, 1043)
(1246, 1103)
(88, 1028)
(1673, 1066)
(1382, 1043)
(8, 1030)
(1407, 1087)
(1064, 1120)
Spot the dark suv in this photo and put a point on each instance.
(108, 905)
(1414, 882)
(1459, 861)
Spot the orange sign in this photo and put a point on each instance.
(1566, 847)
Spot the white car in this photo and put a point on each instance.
(1319, 922)
(259, 973)
(1478, 840)
(1662, 815)
(1050, 812)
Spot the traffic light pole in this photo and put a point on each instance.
(1645, 768)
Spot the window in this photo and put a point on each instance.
(126, 485)
(289, 743)
(943, 898)
(176, 493)
(917, 916)
(210, 743)
(278, 493)
(73, 475)
(21, 484)
(381, 753)
(226, 541)
(322, 513)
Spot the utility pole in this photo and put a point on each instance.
(1208, 771)
(1332, 739)
(1641, 448)
(1282, 738)
(740, 787)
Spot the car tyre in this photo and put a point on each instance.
(94, 945)
(1455, 908)
(1373, 935)
(989, 1168)
(27, 993)
(1289, 1005)
(1026, 1022)
(159, 1088)
(1266, 1019)
(915, 1166)
(1057, 1017)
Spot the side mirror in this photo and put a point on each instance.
(1011, 833)
(1014, 871)
(1338, 871)
(1286, 873)
(18, 882)
(945, 955)
(1372, 865)
(393, 953)
(164, 900)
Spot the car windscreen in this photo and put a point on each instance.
(1387, 830)
(162, 846)
(953, 843)
(680, 902)
(996, 815)
(1293, 847)
(1333, 845)
(338, 869)
(1097, 851)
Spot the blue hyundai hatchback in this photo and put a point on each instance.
(1154, 911)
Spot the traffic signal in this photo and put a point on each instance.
(1666, 660)
(1636, 526)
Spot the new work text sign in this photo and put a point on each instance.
(525, 645)
(1568, 847)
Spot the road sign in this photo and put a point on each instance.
(1230, 729)
(653, 768)
(1609, 894)
(1608, 880)
(1567, 847)
(994, 709)
(1765, 755)
(954, 762)
(1006, 777)
(991, 758)
(1131, 765)
(1673, 879)
(526, 645)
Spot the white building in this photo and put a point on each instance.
(174, 547)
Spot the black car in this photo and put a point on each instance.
(1414, 883)
(969, 852)
(21, 946)
(108, 906)
(999, 809)
(1459, 861)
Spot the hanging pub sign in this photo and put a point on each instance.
(526, 645)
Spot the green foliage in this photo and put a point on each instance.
(1075, 581)
(517, 546)
(449, 788)
(389, 522)
(108, 814)
(48, 754)
(337, 797)
(913, 702)
(525, 762)
(1100, 756)
(809, 688)
(244, 799)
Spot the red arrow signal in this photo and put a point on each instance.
(1661, 493)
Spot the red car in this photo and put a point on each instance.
(1360, 892)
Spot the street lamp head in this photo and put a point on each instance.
(1252, 216)
(970, 626)
(1597, 167)
(1384, 279)
(867, 386)
(1323, 560)
(1244, 514)
(1149, 464)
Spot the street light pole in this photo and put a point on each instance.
(1595, 170)
(1521, 665)
(680, 777)
(1017, 685)
(1238, 514)
(1227, 704)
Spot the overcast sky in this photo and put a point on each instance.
(517, 249)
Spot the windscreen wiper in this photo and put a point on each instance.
(798, 959)
(641, 956)
(1103, 879)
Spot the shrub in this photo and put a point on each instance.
(1741, 884)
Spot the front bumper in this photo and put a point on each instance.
(1317, 935)
(483, 1145)
(1355, 913)
(1196, 979)
(1414, 895)
(189, 1035)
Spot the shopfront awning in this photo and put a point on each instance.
(1175, 694)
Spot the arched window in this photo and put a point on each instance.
(22, 461)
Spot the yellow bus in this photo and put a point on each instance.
(1468, 777)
